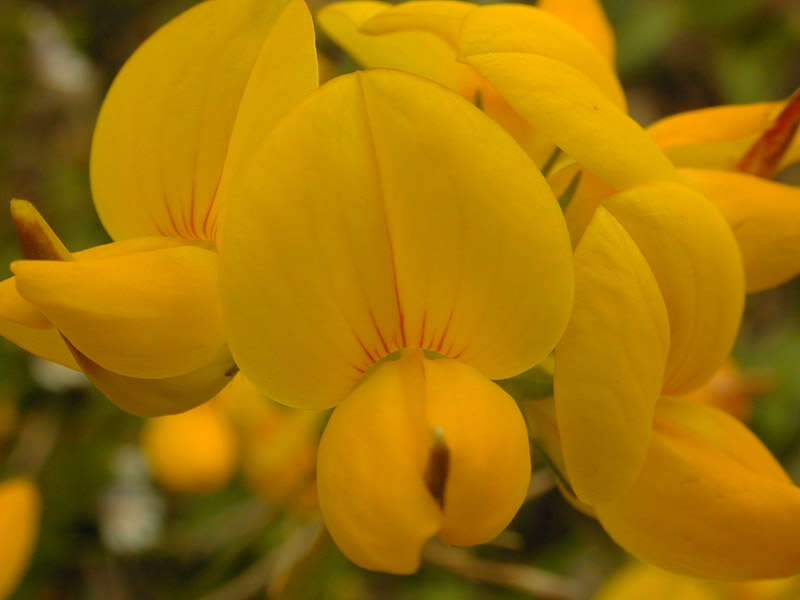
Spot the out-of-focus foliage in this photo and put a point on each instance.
(109, 531)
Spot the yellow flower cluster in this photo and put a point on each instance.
(393, 241)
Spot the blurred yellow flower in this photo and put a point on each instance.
(638, 581)
(278, 445)
(195, 452)
(20, 509)
(141, 316)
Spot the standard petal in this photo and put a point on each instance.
(530, 30)
(20, 511)
(157, 397)
(370, 471)
(697, 264)
(335, 255)
(765, 218)
(710, 502)
(165, 128)
(566, 106)
(720, 136)
(589, 19)
(148, 314)
(610, 363)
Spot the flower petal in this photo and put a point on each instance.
(421, 445)
(610, 363)
(149, 314)
(157, 397)
(220, 70)
(718, 137)
(44, 343)
(413, 50)
(694, 257)
(489, 457)
(710, 502)
(420, 38)
(589, 19)
(370, 471)
(566, 106)
(443, 18)
(637, 581)
(764, 217)
(530, 30)
(335, 255)
(20, 512)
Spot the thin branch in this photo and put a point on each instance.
(524, 578)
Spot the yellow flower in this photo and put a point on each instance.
(20, 508)
(195, 452)
(710, 500)
(656, 251)
(638, 581)
(729, 153)
(279, 445)
(141, 316)
(370, 221)
(659, 289)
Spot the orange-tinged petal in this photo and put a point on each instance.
(530, 30)
(765, 218)
(732, 391)
(768, 153)
(157, 397)
(20, 510)
(697, 264)
(610, 363)
(720, 136)
(148, 314)
(710, 502)
(194, 452)
(192, 94)
(589, 19)
(421, 446)
(335, 256)
(36, 238)
(566, 106)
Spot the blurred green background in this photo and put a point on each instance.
(57, 58)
